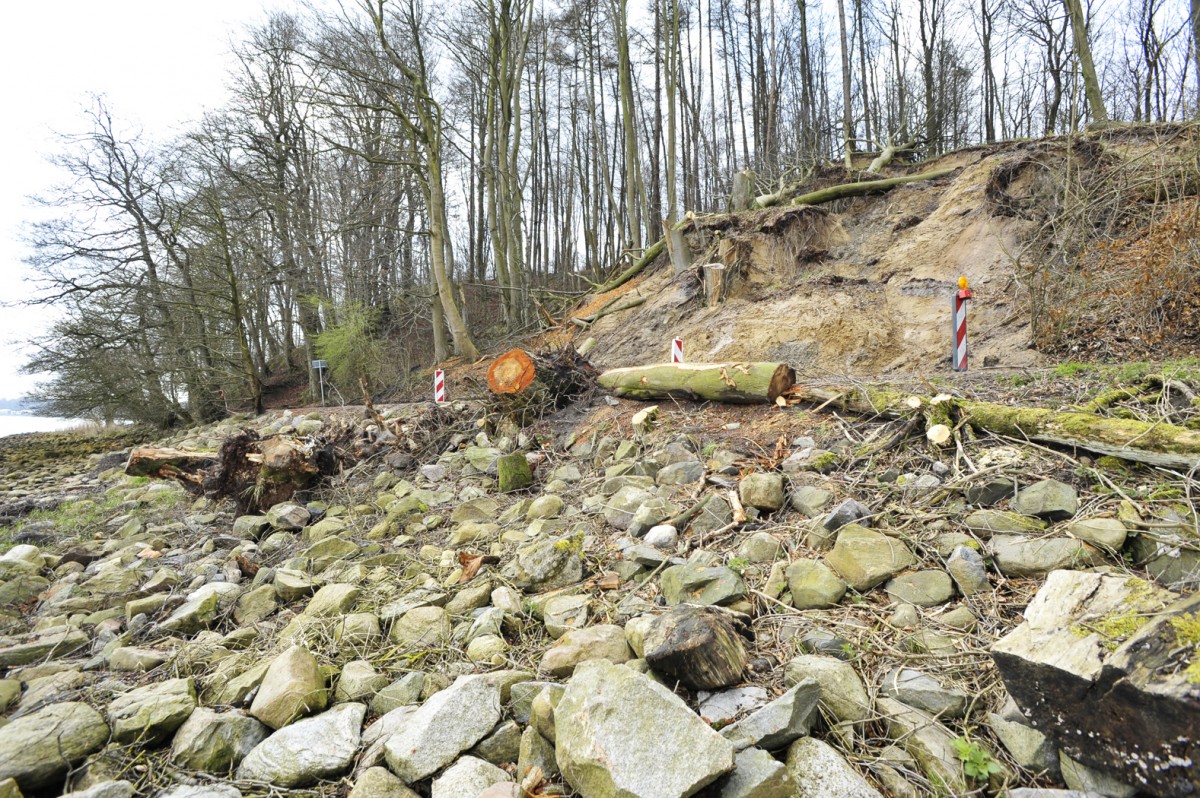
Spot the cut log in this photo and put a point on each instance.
(737, 383)
(699, 646)
(185, 466)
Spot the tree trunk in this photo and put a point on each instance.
(847, 115)
(1091, 83)
(699, 646)
(1138, 441)
(185, 466)
(737, 383)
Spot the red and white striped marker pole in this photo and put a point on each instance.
(439, 386)
(677, 350)
(958, 329)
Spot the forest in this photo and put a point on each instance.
(394, 183)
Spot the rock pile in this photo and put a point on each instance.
(658, 616)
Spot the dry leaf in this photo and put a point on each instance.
(780, 401)
(471, 563)
(246, 566)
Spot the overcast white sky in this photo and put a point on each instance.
(158, 64)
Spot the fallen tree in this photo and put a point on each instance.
(738, 383)
(1138, 441)
(255, 472)
(828, 194)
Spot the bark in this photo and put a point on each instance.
(1138, 441)
(699, 646)
(737, 383)
(847, 116)
(846, 190)
(185, 466)
(1091, 83)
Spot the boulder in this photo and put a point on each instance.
(756, 774)
(924, 692)
(926, 740)
(309, 750)
(421, 627)
(818, 771)
(762, 490)
(202, 791)
(1048, 499)
(216, 742)
(359, 681)
(850, 511)
(150, 714)
(813, 585)
(1028, 747)
(292, 687)
(612, 738)
(450, 722)
(1017, 556)
(968, 570)
(921, 588)
(57, 642)
(1106, 666)
(105, 789)
(546, 565)
(128, 658)
(693, 583)
(502, 746)
(37, 749)
(378, 782)
(536, 751)
(1107, 534)
(810, 501)
(620, 507)
(719, 708)
(780, 722)
(467, 777)
(605, 642)
(842, 691)
(866, 558)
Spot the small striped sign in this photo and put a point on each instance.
(677, 350)
(439, 386)
(958, 326)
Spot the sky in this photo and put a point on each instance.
(158, 65)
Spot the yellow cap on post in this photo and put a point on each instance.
(962, 282)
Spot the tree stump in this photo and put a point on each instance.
(529, 383)
(700, 646)
(716, 283)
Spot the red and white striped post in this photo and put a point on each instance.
(439, 386)
(958, 326)
(677, 350)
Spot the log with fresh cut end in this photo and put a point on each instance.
(737, 383)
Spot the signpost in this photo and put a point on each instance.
(321, 366)
(677, 350)
(958, 326)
